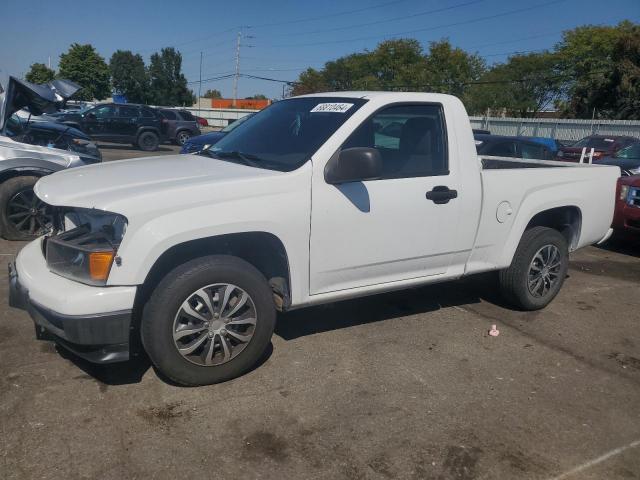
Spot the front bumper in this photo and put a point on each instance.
(102, 335)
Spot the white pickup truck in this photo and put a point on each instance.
(315, 199)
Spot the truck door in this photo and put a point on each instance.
(395, 228)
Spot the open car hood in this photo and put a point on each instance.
(38, 98)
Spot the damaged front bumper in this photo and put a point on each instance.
(99, 338)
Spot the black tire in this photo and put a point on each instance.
(514, 281)
(148, 141)
(166, 300)
(15, 217)
(182, 136)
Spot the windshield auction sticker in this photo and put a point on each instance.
(332, 107)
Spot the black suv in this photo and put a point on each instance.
(138, 125)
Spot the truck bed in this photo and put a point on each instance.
(526, 187)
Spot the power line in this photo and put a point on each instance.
(330, 15)
(420, 30)
(386, 20)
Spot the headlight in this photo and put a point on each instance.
(624, 191)
(87, 245)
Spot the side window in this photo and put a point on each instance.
(502, 149)
(168, 114)
(410, 138)
(187, 116)
(130, 112)
(147, 112)
(531, 151)
(104, 111)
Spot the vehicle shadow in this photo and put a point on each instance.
(132, 371)
(376, 308)
(127, 147)
(123, 373)
(626, 246)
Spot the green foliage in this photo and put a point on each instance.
(586, 59)
(83, 65)
(396, 65)
(212, 94)
(624, 100)
(450, 70)
(257, 96)
(522, 87)
(168, 85)
(129, 76)
(39, 73)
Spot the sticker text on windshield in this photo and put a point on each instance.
(332, 107)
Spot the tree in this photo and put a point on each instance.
(450, 69)
(212, 94)
(396, 65)
(523, 86)
(586, 60)
(625, 80)
(129, 76)
(39, 73)
(168, 85)
(257, 96)
(83, 65)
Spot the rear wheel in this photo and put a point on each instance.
(23, 215)
(538, 269)
(148, 141)
(182, 137)
(208, 320)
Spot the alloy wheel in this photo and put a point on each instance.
(28, 214)
(214, 324)
(544, 271)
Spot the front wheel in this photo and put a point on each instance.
(23, 216)
(538, 269)
(209, 320)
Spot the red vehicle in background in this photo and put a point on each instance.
(626, 219)
(603, 146)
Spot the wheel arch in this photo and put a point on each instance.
(566, 219)
(263, 250)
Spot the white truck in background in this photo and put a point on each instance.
(315, 199)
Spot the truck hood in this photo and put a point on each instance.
(144, 184)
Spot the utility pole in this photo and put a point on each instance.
(237, 74)
(235, 78)
(200, 85)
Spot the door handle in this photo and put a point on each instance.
(441, 194)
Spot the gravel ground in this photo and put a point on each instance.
(402, 385)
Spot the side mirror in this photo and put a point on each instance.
(353, 165)
(91, 115)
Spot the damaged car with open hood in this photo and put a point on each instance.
(30, 151)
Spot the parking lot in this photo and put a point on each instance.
(401, 385)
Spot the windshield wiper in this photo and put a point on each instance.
(248, 158)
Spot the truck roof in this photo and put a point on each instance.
(375, 94)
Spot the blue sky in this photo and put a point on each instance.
(288, 36)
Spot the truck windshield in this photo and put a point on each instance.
(286, 134)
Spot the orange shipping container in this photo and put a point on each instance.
(240, 103)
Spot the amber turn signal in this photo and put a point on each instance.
(100, 264)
